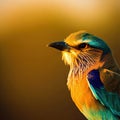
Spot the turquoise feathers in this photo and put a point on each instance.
(96, 42)
(94, 77)
(108, 99)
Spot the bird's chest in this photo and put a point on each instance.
(82, 95)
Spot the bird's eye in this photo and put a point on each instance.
(82, 45)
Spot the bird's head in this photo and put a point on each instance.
(82, 50)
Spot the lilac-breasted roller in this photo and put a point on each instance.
(94, 76)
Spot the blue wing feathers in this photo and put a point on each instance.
(94, 79)
(109, 99)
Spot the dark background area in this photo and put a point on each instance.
(33, 76)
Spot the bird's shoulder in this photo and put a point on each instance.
(105, 86)
(111, 80)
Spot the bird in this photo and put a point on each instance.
(94, 75)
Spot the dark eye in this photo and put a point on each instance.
(82, 45)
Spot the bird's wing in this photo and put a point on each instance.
(111, 80)
(106, 91)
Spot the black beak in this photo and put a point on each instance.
(62, 46)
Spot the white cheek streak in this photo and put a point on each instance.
(66, 57)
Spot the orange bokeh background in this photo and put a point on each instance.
(33, 77)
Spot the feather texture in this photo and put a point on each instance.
(108, 99)
(94, 76)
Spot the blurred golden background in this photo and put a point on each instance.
(33, 77)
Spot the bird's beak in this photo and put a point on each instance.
(62, 46)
